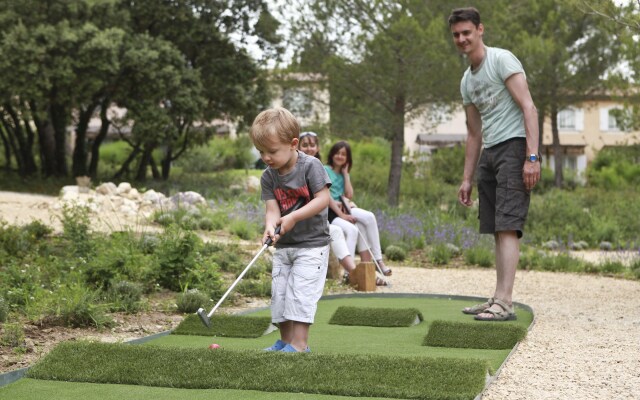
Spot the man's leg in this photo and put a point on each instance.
(507, 257)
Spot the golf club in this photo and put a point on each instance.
(206, 318)
(347, 209)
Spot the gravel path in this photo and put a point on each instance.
(585, 342)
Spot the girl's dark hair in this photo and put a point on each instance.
(336, 148)
(464, 14)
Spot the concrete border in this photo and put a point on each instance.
(12, 376)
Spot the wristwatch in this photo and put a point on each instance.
(534, 158)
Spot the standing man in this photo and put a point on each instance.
(502, 141)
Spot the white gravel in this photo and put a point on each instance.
(585, 341)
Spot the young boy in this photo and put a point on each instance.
(302, 247)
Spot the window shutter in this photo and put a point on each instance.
(604, 119)
(579, 115)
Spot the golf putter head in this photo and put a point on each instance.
(202, 313)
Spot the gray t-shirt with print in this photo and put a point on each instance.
(308, 173)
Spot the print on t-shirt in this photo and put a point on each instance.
(287, 198)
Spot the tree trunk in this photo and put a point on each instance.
(125, 166)
(26, 164)
(141, 175)
(397, 149)
(59, 123)
(166, 163)
(45, 138)
(4, 134)
(95, 147)
(79, 165)
(557, 148)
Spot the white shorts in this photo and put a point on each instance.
(297, 282)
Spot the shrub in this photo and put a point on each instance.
(4, 310)
(77, 306)
(440, 254)
(177, 253)
(190, 301)
(479, 255)
(125, 296)
(395, 253)
(255, 287)
(243, 229)
(612, 267)
(13, 335)
(76, 230)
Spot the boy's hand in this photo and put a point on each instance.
(270, 233)
(286, 224)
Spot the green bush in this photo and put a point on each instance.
(125, 296)
(177, 253)
(395, 253)
(255, 287)
(76, 306)
(13, 335)
(479, 255)
(191, 300)
(4, 310)
(440, 254)
(76, 227)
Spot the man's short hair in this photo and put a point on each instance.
(464, 14)
(273, 123)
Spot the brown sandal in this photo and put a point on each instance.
(381, 282)
(478, 308)
(506, 314)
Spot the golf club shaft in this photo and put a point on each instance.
(369, 249)
(238, 279)
(347, 209)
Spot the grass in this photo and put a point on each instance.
(267, 371)
(239, 326)
(380, 317)
(397, 354)
(474, 335)
(38, 389)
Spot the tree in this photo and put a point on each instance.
(64, 61)
(388, 61)
(566, 53)
(624, 16)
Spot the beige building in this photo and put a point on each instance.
(584, 130)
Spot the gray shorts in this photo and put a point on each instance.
(297, 283)
(504, 201)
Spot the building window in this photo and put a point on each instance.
(298, 101)
(609, 119)
(570, 119)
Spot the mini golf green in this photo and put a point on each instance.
(384, 349)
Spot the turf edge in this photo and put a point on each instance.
(239, 326)
(474, 335)
(379, 317)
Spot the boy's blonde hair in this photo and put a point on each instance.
(275, 122)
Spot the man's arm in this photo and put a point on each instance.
(517, 86)
(472, 153)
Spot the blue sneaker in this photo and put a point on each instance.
(277, 346)
(290, 349)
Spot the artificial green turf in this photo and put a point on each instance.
(240, 326)
(35, 389)
(380, 317)
(338, 339)
(474, 334)
(336, 374)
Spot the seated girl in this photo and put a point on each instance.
(338, 167)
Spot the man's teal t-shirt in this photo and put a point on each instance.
(337, 183)
(485, 88)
